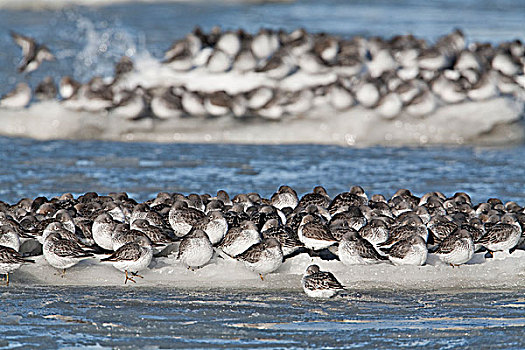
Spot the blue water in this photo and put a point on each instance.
(31, 168)
(41, 317)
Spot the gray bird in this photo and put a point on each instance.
(264, 257)
(195, 249)
(457, 248)
(10, 260)
(408, 251)
(320, 284)
(355, 250)
(46, 89)
(17, 98)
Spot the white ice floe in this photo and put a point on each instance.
(504, 271)
(496, 121)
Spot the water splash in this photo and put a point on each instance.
(100, 44)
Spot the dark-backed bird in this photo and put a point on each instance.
(33, 54)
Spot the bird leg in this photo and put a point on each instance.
(136, 274)
(128, 278)
(7, 279)
(262, 279)
(63, 273)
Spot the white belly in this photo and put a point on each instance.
(102, 237)
(199, 254)
(417, 257)
(320, 293)
(135, 265)
(271, 261)
(7, 268)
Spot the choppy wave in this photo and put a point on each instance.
(107, 318)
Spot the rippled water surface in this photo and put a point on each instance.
(32, 168)
(166, 318)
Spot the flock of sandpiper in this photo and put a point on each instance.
(261, 232)
(400, 75)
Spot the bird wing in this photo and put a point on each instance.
(273, 63)
(183, 246)
(10, 256)
(447, 245)
(314, 198)
(322, 280)
(253, 253)
(344, 199)
(367, 251)
(85, 228)
(231, 236)
(474, 232)
(284, 235)
(443, 229)
(498, 232)
(202, 223)
(27, 44)
(44, 54)
(67, 248)
(397, 234)
(129, 251)
(317, 231)
(192, 215)
(157, 235)
(398, 250)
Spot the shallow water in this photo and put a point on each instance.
(32, 168)
(168, 318)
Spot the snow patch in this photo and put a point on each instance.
(502, 272)
(496, 121)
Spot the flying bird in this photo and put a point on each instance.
(33, 53)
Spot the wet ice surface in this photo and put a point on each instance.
(43, 317)
(502, 271)
(493, 122)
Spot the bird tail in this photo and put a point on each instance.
(383, 257)
(385, 250)
(109, 258)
